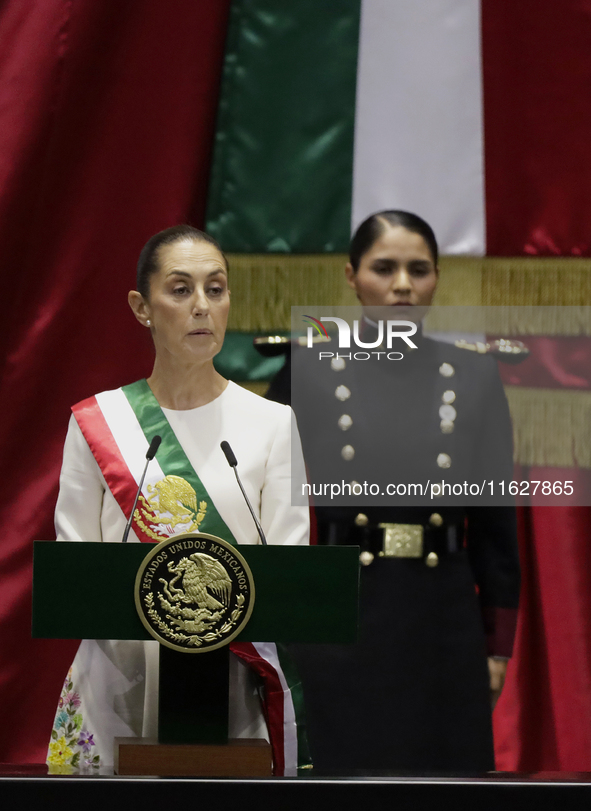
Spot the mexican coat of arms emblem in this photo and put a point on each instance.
(194, 592)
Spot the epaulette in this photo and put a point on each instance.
(502, 349)
(270, 346)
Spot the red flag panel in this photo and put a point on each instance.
(537, 126)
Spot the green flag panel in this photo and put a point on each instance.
(282, 169)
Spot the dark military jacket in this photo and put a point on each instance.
(438, 415)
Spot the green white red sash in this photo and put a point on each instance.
(283, 703)
(118, 426)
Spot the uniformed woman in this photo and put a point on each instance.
(439, 587)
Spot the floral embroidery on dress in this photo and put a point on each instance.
(71, 745)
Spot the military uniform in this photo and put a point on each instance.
(440, 589)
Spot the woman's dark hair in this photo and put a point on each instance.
(147, 264)
(373, 227)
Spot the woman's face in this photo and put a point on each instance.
(189, 301)
(398, 270)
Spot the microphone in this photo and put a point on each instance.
(232, 461)
(151, 453)
(154, 445)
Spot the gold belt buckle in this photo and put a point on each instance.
(402, 541)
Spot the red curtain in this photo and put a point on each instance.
(537, 124)
(537, 127)
(107, 114)
(543, 718)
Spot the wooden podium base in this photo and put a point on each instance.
(240, 757)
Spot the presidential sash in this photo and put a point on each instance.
(118, 427)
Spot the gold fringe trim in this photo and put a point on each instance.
(265, 287)
(551, 427)
(460, 281)
(536, 282)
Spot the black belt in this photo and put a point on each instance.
(428, 540)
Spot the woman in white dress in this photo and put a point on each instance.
(183, 299)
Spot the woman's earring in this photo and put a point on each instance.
(148, 323)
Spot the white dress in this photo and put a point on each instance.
(111, 689)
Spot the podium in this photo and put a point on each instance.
(303, 594)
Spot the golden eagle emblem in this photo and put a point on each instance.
(202, 578)
(171, 502)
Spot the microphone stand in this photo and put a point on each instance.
(232, 461)
(154, 445)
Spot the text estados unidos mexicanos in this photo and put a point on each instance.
(441, 488)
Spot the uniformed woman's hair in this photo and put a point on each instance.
(373, 227)
(147, 263)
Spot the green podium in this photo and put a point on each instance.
(303, 594)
